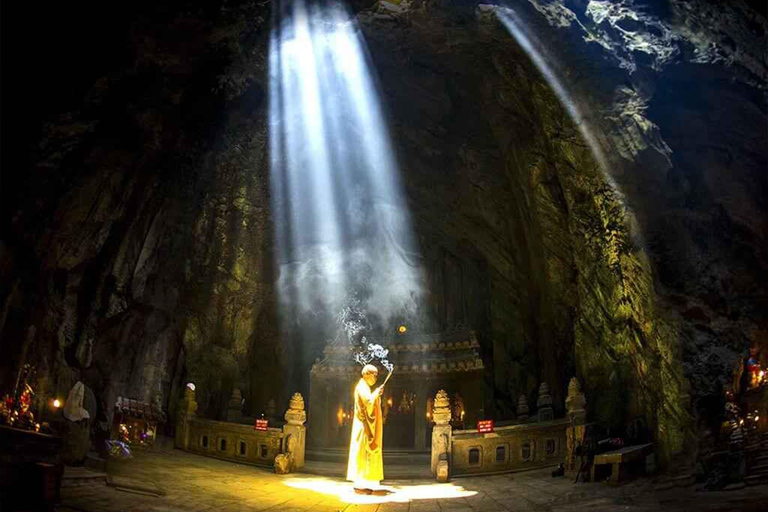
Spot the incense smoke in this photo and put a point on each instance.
(373, 351)
(353, 321)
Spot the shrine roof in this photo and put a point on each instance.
(456, 350)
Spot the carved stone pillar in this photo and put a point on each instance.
(296, 416)
(522, 409)
(576, 403)
(575, 406)
(235, 407)
(441, 436)
(544, 404)
(187, 409)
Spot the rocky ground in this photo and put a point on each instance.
(174, 481)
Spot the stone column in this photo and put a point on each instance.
(187, 409)
(420, 409)
(235, 407)
(522, 409)
(296, 416)
(441, 436)
(544, 404)
(575, 409)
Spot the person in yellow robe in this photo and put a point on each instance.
(366, 468)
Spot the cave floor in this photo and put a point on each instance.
(188, 482)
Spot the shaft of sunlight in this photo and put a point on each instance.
(531, 45)
(340, 219)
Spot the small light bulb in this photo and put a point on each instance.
(56, 403)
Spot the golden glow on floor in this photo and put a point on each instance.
(399, 493)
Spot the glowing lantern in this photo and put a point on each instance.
(402, 329)
(56, 403)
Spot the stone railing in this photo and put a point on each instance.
(281, 448)
(511, 448)
(545, 441)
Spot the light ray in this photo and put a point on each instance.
(530, 44)
(341, 221)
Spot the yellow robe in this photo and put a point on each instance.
(365, 460)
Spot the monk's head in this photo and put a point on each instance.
(370, 373)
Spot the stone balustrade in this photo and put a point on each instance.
(281, 448)
(527, 445)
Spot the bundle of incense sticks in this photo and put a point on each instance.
(388, 376)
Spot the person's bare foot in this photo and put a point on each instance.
(363, 491)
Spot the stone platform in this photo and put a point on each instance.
(398, 464)
(193, 483)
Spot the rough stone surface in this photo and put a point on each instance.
(136, 232)
(191, 483)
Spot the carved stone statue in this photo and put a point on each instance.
(285, 462)
(282, 464)
(73, 409)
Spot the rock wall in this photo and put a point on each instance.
(136, 232)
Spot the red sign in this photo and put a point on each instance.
(485, 426)
(261, 425)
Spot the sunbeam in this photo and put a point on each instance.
(341, 223)
(533, 48)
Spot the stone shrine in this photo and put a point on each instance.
(424, 364)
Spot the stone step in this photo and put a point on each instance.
(392, 471)
(416, 457)
(81, 474)
(756, 479)
(762, 468)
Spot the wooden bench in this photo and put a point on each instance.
(623, 460)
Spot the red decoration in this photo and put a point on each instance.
(261, 425)
(484, 426)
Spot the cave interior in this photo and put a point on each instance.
(503, 196)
